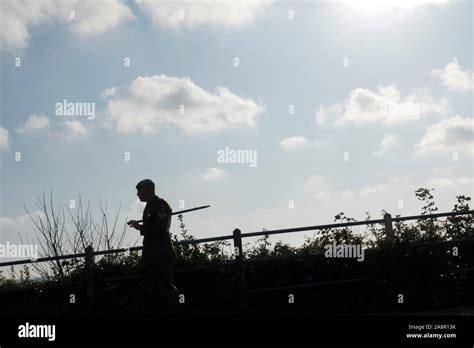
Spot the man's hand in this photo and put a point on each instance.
(134, 224)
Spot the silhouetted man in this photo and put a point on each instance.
(158, 251)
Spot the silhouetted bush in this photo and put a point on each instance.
(422, 265)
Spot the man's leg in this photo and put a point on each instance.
(149, 290)
(166, 292)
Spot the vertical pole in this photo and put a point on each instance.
(389, 261)
(90, 291)
(238, 250)
(240, 276)
(389, 235)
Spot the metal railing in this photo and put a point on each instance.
(239, 261)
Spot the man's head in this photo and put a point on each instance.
(145, 190)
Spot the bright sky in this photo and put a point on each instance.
(343, 106)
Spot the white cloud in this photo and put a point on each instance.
(96, 17)
(415, 3)
(389, 190)
(65, 130)
(451, 134)
(374, 5)
(91, 17)
(317, 185)
(18, 220)
(35, 122)
(442, 182)
(325, 113)
(368, 190)
(136, 208)
(213, 173)
(74, 130)
(385, 105)
(395, 193)
(293, 142)
(192, 14)
(88, 17)
(389, 141)
(18, 16)
(4, 139)
(454, 77)
(152, 102)
(12, 227)
(109, 92)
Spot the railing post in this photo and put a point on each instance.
(89, 263)
(389, 235)
(240, 276)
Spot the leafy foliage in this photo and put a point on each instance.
(418, 264)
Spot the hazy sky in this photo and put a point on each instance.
(339, 106)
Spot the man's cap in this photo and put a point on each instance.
(144, 183)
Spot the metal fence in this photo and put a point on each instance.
(239, 260)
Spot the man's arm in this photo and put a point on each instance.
(158, 221)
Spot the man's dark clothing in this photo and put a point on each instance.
(158, 258)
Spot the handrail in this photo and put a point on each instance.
(242, 235)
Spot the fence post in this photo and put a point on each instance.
(240, 276)
(389, 235)
(89, 263)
